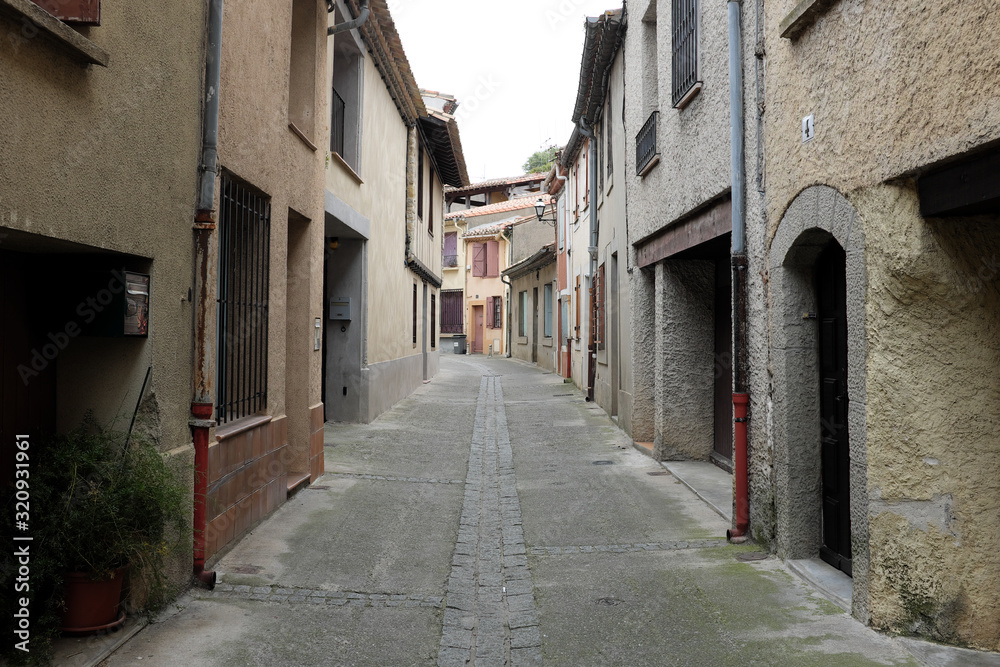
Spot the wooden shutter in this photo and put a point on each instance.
(492, 259)
(433, 321)
(73, 11)
(479, 260)
(577, 300)
(489, 313)
(452, 309)
(420, 183)
(498, 312)
(548, 310)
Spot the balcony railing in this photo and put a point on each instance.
(337, 129)
(646, 154)
(450, 261)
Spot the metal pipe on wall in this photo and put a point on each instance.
(353, 23)
(202, 404)
(741, 398)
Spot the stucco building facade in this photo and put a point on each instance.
(888, 191)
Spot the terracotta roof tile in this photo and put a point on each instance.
(516, 204)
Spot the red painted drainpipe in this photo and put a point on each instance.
(200, 428)
(739, 534)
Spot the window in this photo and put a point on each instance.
(414, 314)
(86, 12)
(609, 131)
(576, 300)
(598, 308)
(498, 312)
(244, 280)
(522, 314)
(420, 183)
(346, 119)
(430, 203)
(560, 221)
(548, 310)
(433, 321)
(600, 156)
(586, 172)
(302, 70)
(450, 249)
(452, 309)
(650, 61)
(486, 259)
(685, 52)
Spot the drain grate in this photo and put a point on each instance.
(603, 463)
(657, 473)
(752, 556)
(562, 394)
(610, 602)
(318, 488)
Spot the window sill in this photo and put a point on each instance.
(241, 425)
(75, 44)
(450, 268)
(547, 342)
(803, 16)
(302, 135)
(343, 165)
(655, 160)
(688, 96)
(522, 340)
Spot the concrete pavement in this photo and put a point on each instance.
(495, 517)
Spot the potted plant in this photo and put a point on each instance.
(114, 507)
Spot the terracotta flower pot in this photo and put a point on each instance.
(92, 605)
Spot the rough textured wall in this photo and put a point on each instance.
(530, 236)
(894, 86)
(933, 403)
(257, 38)
(693, 140)
(686, 373)
(82, 158)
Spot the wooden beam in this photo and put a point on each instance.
(970, 187)
(696, 229)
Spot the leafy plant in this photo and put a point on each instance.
(540, 161)
(98, 504)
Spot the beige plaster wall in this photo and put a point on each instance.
(897, 87)
(83, 158)
(256, 145)
(933, 401)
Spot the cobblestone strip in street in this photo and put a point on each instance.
(623, 548)
(295, 595)
(490, 616)
(386, 478)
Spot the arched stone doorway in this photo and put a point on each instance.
(819, 223)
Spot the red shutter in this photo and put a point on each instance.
(479, 260)
(489, 312)
(492, 259)
(73, 11)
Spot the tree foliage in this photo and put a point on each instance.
(540, 161)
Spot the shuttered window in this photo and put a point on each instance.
(522, 314)
(548, 310)
(414, 315)
(685, 48)
(420, 183)
(433, 321)
(451, 249)
(452, 308)
(576, 300)
(489, 313)
(479, 260)
(492, 259)
(73, 11)
(599, 307)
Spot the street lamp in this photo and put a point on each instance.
(540, 212)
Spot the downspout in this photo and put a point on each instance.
(352, 24)
(741, 397)
(509, 235)
(203, 403)
(592, 249)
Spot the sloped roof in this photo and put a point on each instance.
(603, 37)
(546, 255)
(497, 183)
(441, 131)
(494, 228)
(515, 204)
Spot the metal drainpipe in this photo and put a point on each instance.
(203, 403)
(352, 24)
(592, 249)
(741, 397)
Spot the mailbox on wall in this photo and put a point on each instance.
(340, 308)
(116, 305)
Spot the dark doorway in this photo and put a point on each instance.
(534, 325)
(831, 286)
(722, 453)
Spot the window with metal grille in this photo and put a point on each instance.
(646, 151)
(609, 131)
(346, 117)
(685, 49)
(433, 321)
(420, 183)
(450, 249)
(452, 308)
(599, 308)
(547, 331)
(337, 129)
(244, 279)
(497, 312)
(414, 315)
(522, 314)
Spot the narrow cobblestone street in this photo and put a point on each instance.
(492, 518)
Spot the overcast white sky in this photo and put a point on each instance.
(514, 67)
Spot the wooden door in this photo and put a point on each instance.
(723, 449)
(831, 287)
(477, 332)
